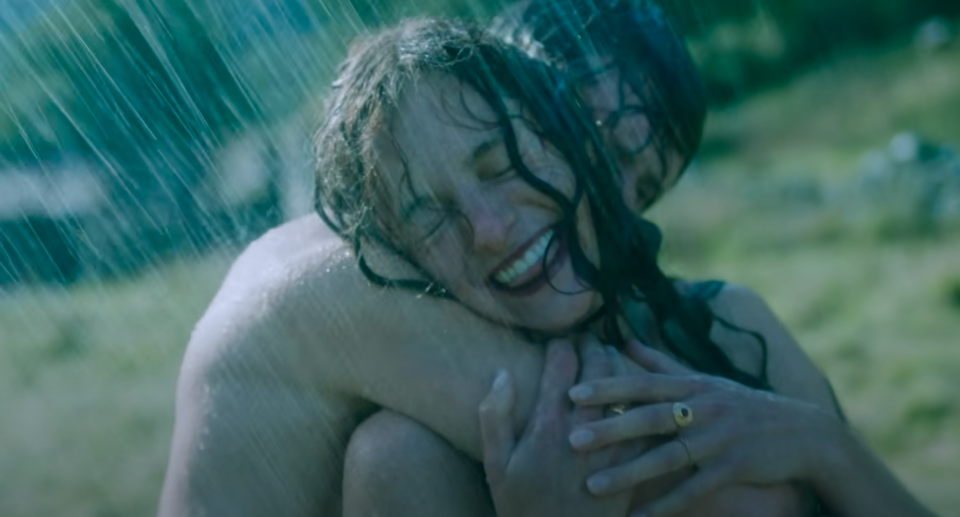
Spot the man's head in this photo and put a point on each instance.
(632, 72)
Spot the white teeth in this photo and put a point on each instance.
(533, 256)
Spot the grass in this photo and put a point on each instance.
(87, 375)
(879, 313)
(823, 121)
(881, 323)
(87, 379)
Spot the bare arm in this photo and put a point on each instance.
(789, 369)
(272, 382)
(429, 359)
(852, 481)
(282, 366)
(748, 436)
(253, 435)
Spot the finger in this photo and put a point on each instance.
(632, 366)
(559, 374)
(639, 422)
(496, 426)
(690, 492)
(635, 389)
(595, 364)
(619, 368)
(664, 459)
(655, 361)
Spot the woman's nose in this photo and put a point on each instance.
(490, 225)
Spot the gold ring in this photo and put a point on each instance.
(686, 447)
(682, 414)
(617, 409)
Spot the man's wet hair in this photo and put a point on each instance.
(641, 42)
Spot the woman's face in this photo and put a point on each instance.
(460, 210)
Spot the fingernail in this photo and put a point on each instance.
(501, 381)
(580, 393)
(598, 484)
(581, 438)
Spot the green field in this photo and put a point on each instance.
(878, 310)
(87, 375)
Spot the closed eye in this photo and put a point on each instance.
(424, 220)
(500, 175)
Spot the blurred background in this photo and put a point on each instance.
(143, 143)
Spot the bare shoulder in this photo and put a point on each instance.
(278, 302)
(257, 431)
(296, 314)
(746, 318)
(297, 321)
(278, 266)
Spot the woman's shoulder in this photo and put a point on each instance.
(756, 340)
(725, 299)
(738, 325)
(704, 290)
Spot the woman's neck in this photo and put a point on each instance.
(634, 321)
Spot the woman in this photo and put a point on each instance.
(445, 148)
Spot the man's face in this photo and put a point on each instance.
(628, 126)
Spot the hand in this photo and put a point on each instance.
(737, 435)
(539, 475)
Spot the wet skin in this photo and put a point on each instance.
(297, 347)
(462, 212)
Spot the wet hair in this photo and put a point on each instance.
(366, 96)
(650, 55)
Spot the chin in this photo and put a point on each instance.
(549, 311)
(555, 319)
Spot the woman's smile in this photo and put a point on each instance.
(522, 273)
(465, 214)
